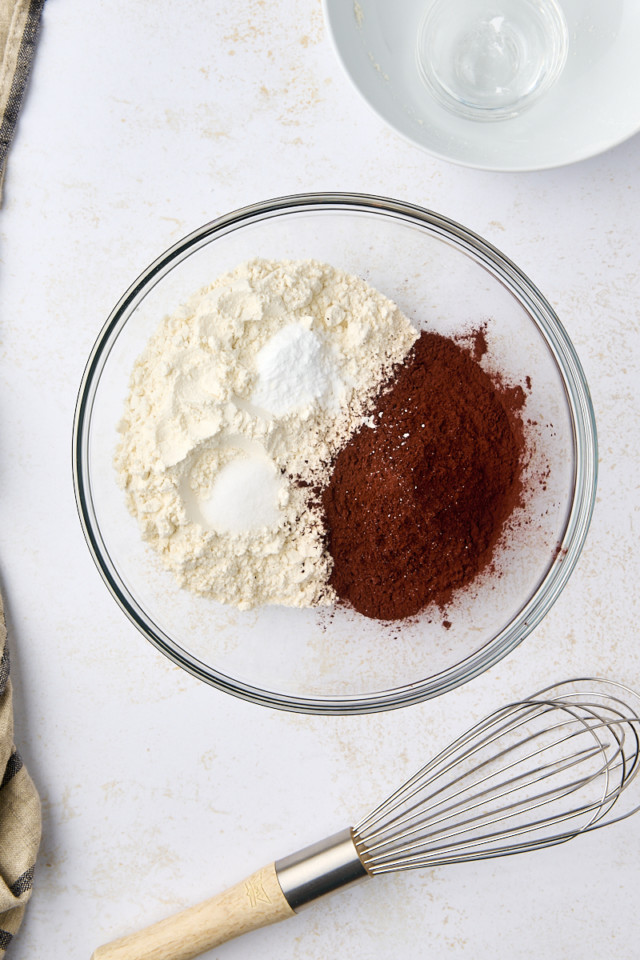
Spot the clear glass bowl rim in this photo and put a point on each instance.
(578, 398)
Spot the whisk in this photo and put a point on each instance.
(532, 774)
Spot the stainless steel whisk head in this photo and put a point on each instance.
(533, 774)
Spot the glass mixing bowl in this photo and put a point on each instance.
(334, 661)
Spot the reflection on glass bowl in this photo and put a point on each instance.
(443, 277)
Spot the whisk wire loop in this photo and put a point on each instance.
(516, 783)
(420, 780)
(508, 784)
(504, 812)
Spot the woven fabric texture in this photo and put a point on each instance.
(19, 27)
(20, 816)
(20, 819)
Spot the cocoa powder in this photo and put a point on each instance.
(416, 504)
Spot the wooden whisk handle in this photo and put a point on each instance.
(273, 893)
(256, 902)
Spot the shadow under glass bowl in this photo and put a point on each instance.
(334, 661)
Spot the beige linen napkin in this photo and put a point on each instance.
(20, 821)
(19, 24)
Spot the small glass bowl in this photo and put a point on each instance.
(334, 661)
(491, 59)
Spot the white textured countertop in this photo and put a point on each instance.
(143, 121)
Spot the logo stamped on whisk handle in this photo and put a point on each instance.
(256, 892)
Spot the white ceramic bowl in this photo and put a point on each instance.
(593, 106)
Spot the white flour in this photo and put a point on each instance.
(253, 386)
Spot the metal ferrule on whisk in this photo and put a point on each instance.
(320, 869)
